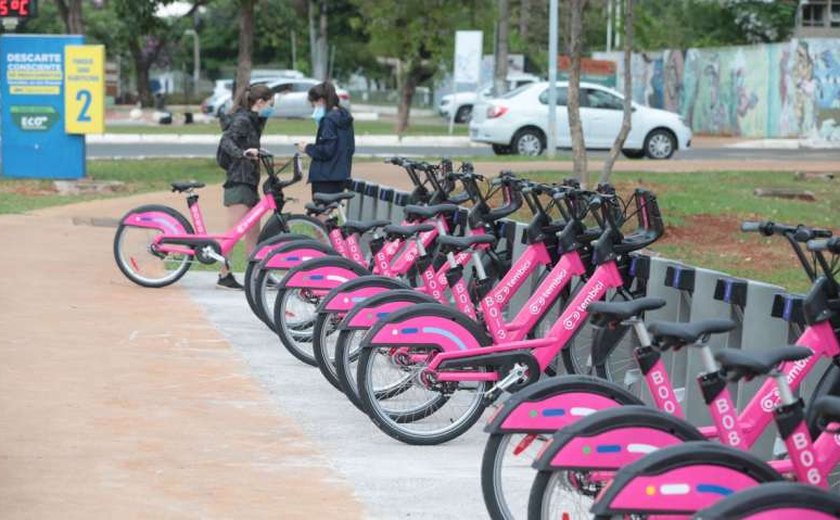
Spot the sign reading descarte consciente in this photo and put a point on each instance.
(84, 89)
(35, 143)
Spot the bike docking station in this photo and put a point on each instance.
(52, 93)
(762, 312)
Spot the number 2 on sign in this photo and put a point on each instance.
(85, 97)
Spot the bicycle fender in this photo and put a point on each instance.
(779, 497)
(322, 273)
(366, 314)
(264, 247)
(351, 293)
(682, 479)
(556, 402)
(430, 325)
(154, 216)
(612, 438)
(288, 255)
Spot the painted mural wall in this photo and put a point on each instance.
(787, 89)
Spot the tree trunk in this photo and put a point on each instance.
(313, 38)
(71, 14)
(575, 124)
(524, 18)
(628, 95)
(409, 86)
(141, 70)
(501, 68)
(246, 47)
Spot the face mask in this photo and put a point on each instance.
(266, 111)
(319, 113)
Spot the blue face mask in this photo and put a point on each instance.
(319, 113)
(266, 111)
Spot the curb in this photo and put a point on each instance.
(361, 140)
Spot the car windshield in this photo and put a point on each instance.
(515, 92)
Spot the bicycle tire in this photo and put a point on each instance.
(128, 270)
(299, 224)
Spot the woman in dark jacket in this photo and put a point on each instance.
(335, 142)
(238, 151)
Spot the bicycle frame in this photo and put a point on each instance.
(605, 277)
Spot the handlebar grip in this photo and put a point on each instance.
(821, 233)
(826, 244)
(750, 227)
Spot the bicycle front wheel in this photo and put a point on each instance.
(137, 258)
(506, 473)
(308, 226)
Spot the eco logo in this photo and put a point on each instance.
(34, 118)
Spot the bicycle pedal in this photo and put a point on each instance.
(516, 375)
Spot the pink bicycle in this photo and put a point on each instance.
(451, 362)
(155, 245)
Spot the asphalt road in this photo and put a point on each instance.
(201, 150)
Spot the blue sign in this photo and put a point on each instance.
(34, 143)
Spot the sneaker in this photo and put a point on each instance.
(228, 281)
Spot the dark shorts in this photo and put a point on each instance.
(241, 194)
(328, 187)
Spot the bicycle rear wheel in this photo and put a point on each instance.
(408, 409)
(139, 261)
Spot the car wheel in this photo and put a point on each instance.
(501, 149)
(660, 144)
(464, 114)
(633, 154)
(528, 141)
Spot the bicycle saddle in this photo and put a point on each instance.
(827, 409)
(363, 226)
(622, 310)
(318, 209)
(737, 364)
(415, 212)
(677, 335)
(407, 231)
(449, 243)
(327, 198)
(183, 186)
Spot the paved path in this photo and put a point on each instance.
(122, 402)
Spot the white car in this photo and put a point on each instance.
(462, 103)
(517, 123)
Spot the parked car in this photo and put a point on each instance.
(517, 123)
(221, 93)
(290, 96)
(462, 103)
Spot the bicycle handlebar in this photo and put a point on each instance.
(832, 245)
(799, 233)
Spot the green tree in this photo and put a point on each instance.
(145, 35)
(418, 35)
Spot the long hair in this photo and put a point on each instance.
(251, 95)
(325, 91)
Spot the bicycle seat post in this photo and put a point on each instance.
(709, 363)
(481, 274)
(640, 329)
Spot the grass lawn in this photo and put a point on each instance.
(296, 127)
(702, 211)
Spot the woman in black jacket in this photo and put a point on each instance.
(238, 151)
(335, 142)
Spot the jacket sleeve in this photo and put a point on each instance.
(237, 132)
(327, 146)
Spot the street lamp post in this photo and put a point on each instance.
(196, 56)
(552, 80)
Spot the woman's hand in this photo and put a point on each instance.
(251, 153)
(301, 147)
